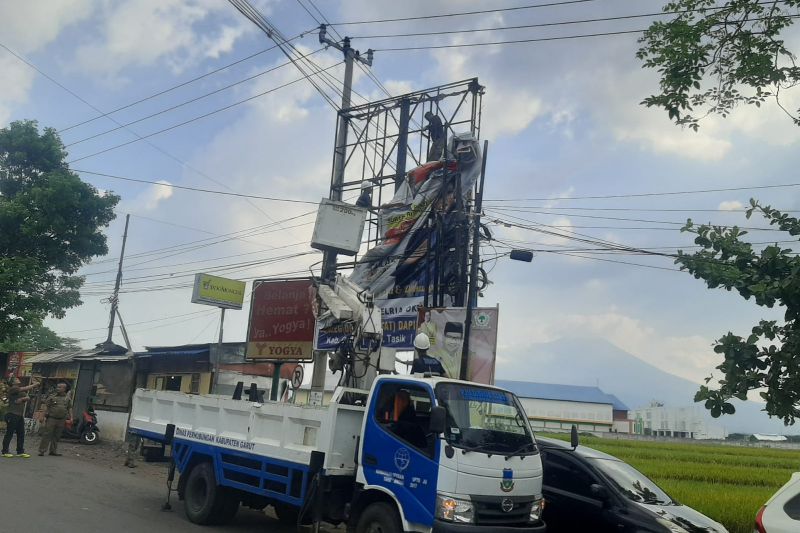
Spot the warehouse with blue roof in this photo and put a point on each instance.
(557, 407)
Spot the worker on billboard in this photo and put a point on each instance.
(424, 363)
(435, 132)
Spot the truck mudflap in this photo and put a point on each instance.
(440, 526)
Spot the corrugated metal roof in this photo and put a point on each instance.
(569, 393)
(172, 353)
(58, 357)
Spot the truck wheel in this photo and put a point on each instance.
(379, 518)
(201, 495)
(226, 508)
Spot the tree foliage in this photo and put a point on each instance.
(768, 357)
(50, 224)
(39, 338)
(713, 56)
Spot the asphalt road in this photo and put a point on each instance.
(84, 492)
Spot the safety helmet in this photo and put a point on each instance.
(422, 342)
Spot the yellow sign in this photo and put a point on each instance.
(219, 292)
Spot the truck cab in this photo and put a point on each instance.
(449, 456)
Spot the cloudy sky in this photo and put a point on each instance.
(562, 118)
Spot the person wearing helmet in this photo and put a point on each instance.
(424, 363)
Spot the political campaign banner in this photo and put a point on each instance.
(446, 330)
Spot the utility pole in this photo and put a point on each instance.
(472, 293)
(340, 151)
(115, 297)
(337, 181)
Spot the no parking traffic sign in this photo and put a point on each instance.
(297, 377)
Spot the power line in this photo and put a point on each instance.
(198, 189)
(624, 219)
(559, 23)
(531, 40)
(518, 27)
(640, 209)
(178, 86)
(646, 194)
(187, 102)
(149, 143)
(463, 13)
(184, 123)
(511, 41)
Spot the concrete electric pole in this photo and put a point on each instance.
(339, 159)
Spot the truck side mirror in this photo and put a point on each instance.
(438, 419)
(573, 437)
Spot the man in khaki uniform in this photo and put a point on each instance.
(57, 408)
(15, 416)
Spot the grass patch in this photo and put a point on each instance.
(726, 483)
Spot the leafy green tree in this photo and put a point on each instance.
(768, 358)
(40, 338)
(50, 224)
(713, 56)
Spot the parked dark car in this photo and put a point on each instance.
(587, 490)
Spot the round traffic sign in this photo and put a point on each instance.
(297, 377)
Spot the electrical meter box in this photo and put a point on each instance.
(339, 227)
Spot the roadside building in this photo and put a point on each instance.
(680, 422)
(101, 376)
(557, 407)
(189, 368)
(762, 437)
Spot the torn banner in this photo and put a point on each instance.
(397, 271)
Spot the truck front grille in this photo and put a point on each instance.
(489, 511)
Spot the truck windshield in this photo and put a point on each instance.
(484, 419)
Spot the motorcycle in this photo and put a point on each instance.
(84, 429)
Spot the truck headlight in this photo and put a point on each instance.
(536, 510)
(454, 509)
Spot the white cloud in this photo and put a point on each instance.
(149, 199)
(730, 205)
(16, 81)
(27, 27)
(137, 33)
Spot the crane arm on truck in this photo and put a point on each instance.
(360, 356)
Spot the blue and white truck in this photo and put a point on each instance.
(414, 453)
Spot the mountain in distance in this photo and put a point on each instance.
(597, 362)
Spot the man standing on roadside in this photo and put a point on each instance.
(57, 408)
(15, 416)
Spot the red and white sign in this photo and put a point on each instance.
(281, 321)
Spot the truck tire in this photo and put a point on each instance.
(227, 506)
(202, 496)
(379, 517)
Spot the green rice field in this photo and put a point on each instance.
(726, 483)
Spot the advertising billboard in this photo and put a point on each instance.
(281, 326)
(219, 292)
(445, 328)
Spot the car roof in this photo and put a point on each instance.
(581, 451)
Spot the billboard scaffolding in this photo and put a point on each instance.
(389, 138)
